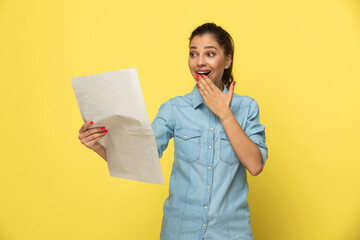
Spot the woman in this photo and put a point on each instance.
(217, 136)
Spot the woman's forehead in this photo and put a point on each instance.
(203, 41)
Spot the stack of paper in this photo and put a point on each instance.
(114, 100)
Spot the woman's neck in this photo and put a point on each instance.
(220, 85)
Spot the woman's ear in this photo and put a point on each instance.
(228, 61)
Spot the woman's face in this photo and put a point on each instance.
(208, 58)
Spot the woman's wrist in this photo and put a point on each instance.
(225, 115)
(96, 147)
(100, 149)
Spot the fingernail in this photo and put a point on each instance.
(197, 79)
(198, 87)
(103, 128)
(202, 75)
(234, 82)
(92, 122)
(105, 131)
(197, 75)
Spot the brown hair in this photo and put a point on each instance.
(224, 40)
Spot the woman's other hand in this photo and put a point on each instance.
(90, 137)
(218, 102)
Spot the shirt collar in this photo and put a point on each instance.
(196, 97)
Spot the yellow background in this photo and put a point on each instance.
(299, 59)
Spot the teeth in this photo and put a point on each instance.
(204, 73)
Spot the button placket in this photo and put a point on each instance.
(209, 162)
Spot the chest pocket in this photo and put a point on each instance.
(227, 153)
(187, 144)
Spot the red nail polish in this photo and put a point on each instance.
(92, 122)
(202, 75)
(197, 75)
(234, 82)
(105, 131)
(102, 128)
(197, 79)
(198, 87)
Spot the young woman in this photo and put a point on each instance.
(217, 136)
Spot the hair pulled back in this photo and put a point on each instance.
(224, 40)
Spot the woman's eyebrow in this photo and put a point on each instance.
(193, 47)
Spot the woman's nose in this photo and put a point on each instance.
(201, 61)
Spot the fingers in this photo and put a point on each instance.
(231, 92)
(231, 89)
(92, 139)
(209, 85)
(209, 89)
(202, 87)
(89, 137)
(91, 131)
(203, 95)
(86, 126)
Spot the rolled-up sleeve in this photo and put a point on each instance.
(163, 127)
(255, 130)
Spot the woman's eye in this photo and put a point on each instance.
(210, 54)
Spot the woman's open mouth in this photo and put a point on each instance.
(206, 73)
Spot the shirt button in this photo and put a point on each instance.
(207, 187)
(209, 168)
(209, 146)
(211, 128)
(205, 207)
(211, 114)
(204, 225)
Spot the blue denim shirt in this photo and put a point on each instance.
(208, 186)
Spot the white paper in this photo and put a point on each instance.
(114, 100)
